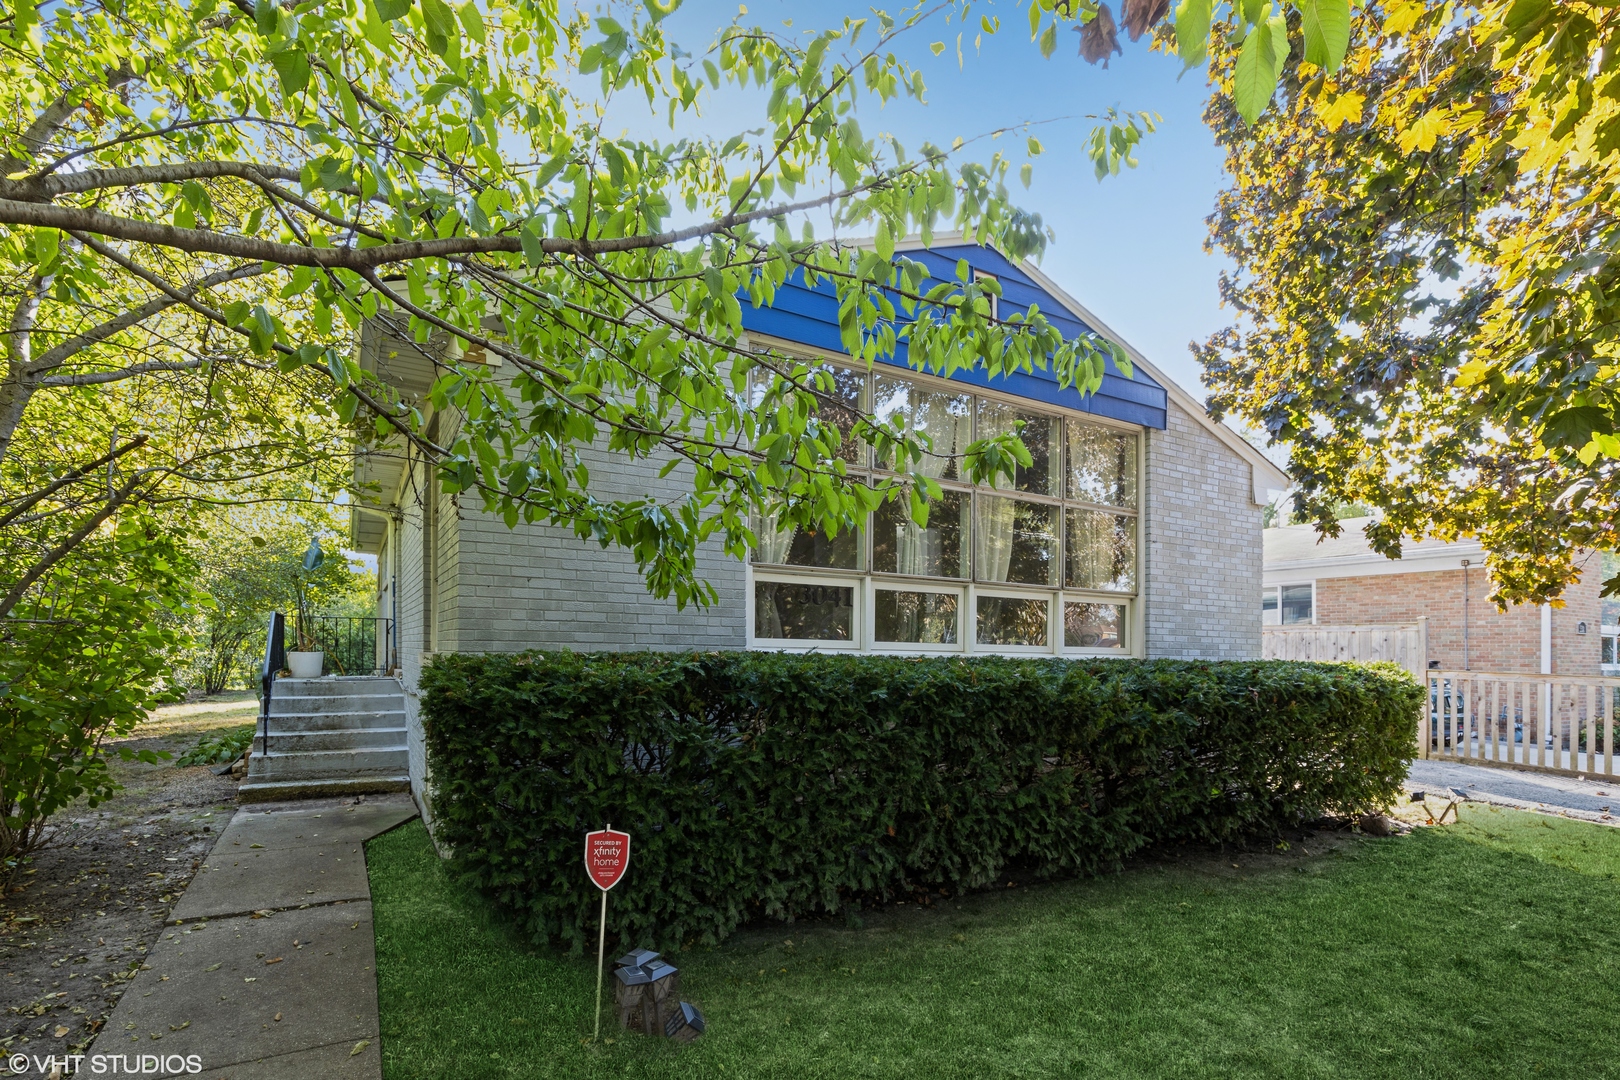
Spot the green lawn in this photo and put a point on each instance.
(1487, 949)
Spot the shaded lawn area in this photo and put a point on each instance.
(1486, 949)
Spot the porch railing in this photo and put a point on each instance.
(352, 646)
(1546, 723)
(275, 658)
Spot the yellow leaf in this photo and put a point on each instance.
(1402, 17)
(1607, 445)
(1422, 135)
(1344, 109)
(1473, 373)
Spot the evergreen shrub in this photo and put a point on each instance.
(781, 786)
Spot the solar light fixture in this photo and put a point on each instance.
(648, 997)
(685, 1023)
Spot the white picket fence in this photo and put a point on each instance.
(1546, 723)
(1407, 646)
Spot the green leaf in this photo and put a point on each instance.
(473, 22)
(441, 26)
(1574, 427)
(265, 16)
(47, 242)
(1326, 24)
(884, 242)
(392, 9)
(533, 253)
(1258, 66)
(293, 68)
(1192, 31)
(1049, 40)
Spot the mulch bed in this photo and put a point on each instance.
(77, 920)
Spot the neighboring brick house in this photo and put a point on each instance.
(1136, 533)
(1343, 582)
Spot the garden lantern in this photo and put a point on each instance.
(685, 1023)
(649, 988)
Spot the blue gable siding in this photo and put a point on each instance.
(809, 317)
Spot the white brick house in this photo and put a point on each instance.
(1136, 533)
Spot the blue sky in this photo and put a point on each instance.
(1130, 247)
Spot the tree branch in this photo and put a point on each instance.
(43, 188)
(55, 555)
(97, 378)
(60, 354)
(205, 241)
(69, 478)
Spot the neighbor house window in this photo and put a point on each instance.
(1288, 605)
(1043, 561)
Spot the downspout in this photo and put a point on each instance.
(1465, 616)
(392, 519)
(1546, 639)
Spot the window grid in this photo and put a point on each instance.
(864, 581)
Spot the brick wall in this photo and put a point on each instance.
(1508, 641)
(1203, 546)
(539, 586)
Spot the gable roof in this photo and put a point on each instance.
(810, 317)
(1267, 476)
(1297, 551)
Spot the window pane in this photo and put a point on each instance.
(841, 392)
(803, 612)
(945, 421)
(1268, 608)
(806, 547)
(1015, 542)
(915, 617)
(1102, 551)
(1093, 626)
(1608, 650)
(840, 405)
(900, 547)
(1040, 435)
(1008, 620)
(1296, 604)
(1100, 464)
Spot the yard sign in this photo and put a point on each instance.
(607, 857)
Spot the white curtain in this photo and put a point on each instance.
(773, 543)
(993, 537)
(947, 420)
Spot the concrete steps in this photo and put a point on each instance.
(329, 736)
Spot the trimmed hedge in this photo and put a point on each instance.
(777, 785)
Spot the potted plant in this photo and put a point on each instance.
(306, 661)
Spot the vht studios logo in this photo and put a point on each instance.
(103, 1064)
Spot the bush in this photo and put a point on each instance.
(218, 747)
(79, 658)
(776, 785)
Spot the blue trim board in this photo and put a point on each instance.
(809, 317)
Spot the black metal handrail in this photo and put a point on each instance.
(275, 658)
(352, 645)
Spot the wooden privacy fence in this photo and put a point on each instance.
(1548, 723)
(1407, 646)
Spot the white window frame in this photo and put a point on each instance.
(866, 582)
(1127, 633)
(1277, 587)
(901, 583)
(823, 578)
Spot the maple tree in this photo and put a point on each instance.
(1427, 281)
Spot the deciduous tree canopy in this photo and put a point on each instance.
(1425, 245)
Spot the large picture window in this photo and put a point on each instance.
(1046, 561)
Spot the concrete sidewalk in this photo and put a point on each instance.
(268, 971)
(1589, 800)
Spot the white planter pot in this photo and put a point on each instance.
(305, 665)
